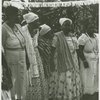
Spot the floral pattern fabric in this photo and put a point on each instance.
(66, 85)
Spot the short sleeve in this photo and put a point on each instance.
(54, 42)
(82, 39)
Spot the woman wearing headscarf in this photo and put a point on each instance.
(38, 87)
(44, 46)
(13, 42)
(65, 81)
(89, 62)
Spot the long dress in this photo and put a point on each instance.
(66, 85)
(13, 43)
(45, 46)
(91, 53)
(37, 88)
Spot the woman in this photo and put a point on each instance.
(89, 54)
(44, 46)
(65, 81)
(14, 46)
(38, 88)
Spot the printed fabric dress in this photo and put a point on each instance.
(37, 85)
(91, 52)
(66, 85)
(44, 47)
(13, 44)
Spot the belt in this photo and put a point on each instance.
(15, 49)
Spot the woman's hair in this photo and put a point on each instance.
(11, 11)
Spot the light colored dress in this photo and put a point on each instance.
(91, 52)
(66, 85)
(13, 42)
(37, 87)
(33, 70)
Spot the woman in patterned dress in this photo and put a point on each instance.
(44, 46)
(65, 82)
(37, 89)
(89, 62)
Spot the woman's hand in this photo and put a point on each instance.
(86, 65)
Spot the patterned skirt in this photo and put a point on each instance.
(66, 85)
(39, 88)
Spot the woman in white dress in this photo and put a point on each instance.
(89, 54)
(13, 42)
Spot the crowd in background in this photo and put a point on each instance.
(40, 63)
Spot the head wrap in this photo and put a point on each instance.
(62, 20)
(30, 17)
(44, 29)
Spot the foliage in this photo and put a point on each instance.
(82, 16)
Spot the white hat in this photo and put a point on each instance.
(44, 29)
(30, 17)
(62, 20)
(17, 4)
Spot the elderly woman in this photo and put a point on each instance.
(38, 87)
(44, 46)
(13, 42)
(65, 81)
(89, 54)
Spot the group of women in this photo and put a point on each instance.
(43, 65)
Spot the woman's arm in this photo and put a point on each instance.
(53, 49)
(4, 37)
(81, 55)
(52, 65)
(80, 52)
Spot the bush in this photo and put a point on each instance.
(82, 16)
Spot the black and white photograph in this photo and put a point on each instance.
(50, 50)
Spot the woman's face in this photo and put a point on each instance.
(15, 18)
(49, 35)
(67, 26)
(35, 24)
(33, 27)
